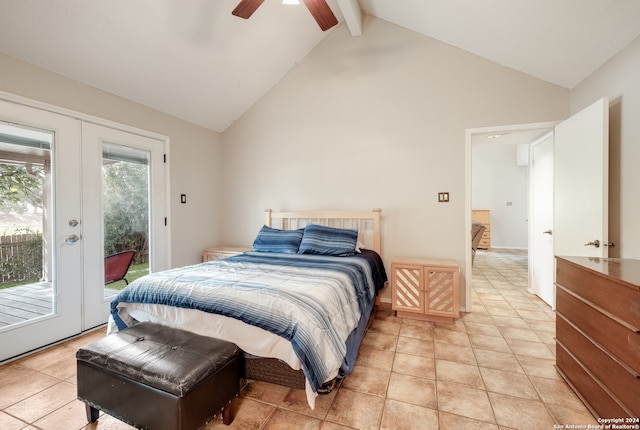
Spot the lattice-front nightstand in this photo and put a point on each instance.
(425, 288)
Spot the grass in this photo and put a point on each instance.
(136, 271)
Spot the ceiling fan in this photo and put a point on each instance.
(319, 9)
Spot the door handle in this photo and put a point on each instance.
(549, 232)
(73, 238)
(594, 243)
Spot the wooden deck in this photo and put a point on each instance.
(25, 302)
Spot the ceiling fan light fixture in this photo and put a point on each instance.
(290, 1)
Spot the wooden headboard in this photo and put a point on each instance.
(367, 223)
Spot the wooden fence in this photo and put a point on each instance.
(20, 257)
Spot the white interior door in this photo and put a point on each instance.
(61, 278)
(581, 176)
(541, 260)
(102, 146)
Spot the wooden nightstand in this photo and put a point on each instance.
(425, 288)
(218, 252)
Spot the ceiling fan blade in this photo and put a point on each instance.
(246, 8)
(322, 13)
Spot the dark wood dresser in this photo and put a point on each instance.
(598, 332)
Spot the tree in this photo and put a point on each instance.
(20, 187)
(125, 207)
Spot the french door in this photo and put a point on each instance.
(73, 164)
(124, 170)
(37, 317)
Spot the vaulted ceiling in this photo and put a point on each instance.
(194, 60)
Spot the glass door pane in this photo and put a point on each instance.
(125, 213)
(26, 289)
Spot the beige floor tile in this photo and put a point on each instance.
(296, 401)
(73, 414)
(456, 422)
(534, 315)
(11, 373)
(416, 331)
(556, 392)
(485, 329)
(464, 401)
(367, 380)
(414, 365)
(491, 343)
(520, 334)
(264, 392)
(106, 422)
(578, 417)
(375, 358)
(498, 360)
(248, 414)
(411, 389)
(288, 420)
(25, 387)
(505, 321)
(7, 422)
(463, 374)
(413, 346)
(457, 325)
(513, 384)
(357, 410)
(459, 354)
(385, 327)
(451, 336)
(534, 366)
(46, 401)
(404, 416)
(476, 317)
(532, 349)
(520, 414)
(382, 341)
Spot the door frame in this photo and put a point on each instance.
(469, 133)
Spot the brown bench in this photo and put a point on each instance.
(152, 376)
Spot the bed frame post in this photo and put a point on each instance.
(376, 230)
(267, 217)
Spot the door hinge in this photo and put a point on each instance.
(165, 220)
(165, 158)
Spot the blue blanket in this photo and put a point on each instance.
(314, 302)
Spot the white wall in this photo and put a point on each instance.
(195, 151)
(618, 80)
(377, 120)
(497, 180)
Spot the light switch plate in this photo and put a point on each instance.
(443, 197)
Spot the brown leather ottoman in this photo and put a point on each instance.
(155, 377)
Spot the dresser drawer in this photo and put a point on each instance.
(616, 338)
(618, 300)
(622, 382)
(597, 397)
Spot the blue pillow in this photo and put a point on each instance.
(275, 240)
(323, 240)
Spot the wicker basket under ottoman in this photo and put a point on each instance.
(155, 377)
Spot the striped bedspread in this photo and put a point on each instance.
(312, 301)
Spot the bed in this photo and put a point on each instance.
(297, 305)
